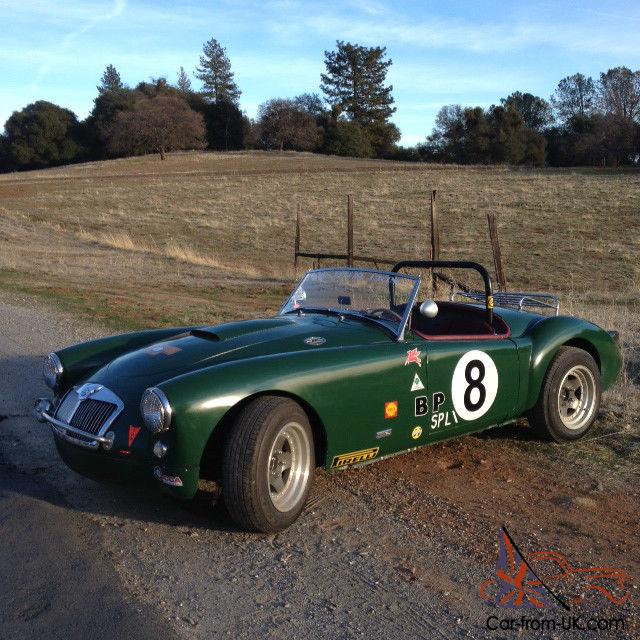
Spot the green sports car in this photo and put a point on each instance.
(354, 368)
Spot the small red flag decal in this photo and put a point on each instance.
(133, 432)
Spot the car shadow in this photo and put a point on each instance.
(520, 431)
(115, 501)
(31, 465)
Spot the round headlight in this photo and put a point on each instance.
(52, 371)
(156, 410)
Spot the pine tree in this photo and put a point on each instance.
(183, 84)
(110, 81)
(216, 75)
(355, 83)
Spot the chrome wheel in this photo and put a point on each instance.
(577, 397)
(289, 465)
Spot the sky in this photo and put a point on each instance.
(454, 51)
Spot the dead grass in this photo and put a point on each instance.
(574, 232)
(172, 249)
(117, 240)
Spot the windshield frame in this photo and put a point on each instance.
(399, 334)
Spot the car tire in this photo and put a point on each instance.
(570, 397)
(268, 464)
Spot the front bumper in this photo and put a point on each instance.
(96, 457)
(180, 482)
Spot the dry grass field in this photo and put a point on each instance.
(153, 241)
(205, 237)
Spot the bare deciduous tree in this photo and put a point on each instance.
(161, 124)
(284, 124)
(619, 93)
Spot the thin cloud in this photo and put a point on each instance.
(117, 9)
(488, 37)
(370, 7)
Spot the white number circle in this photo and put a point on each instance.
(474, 385)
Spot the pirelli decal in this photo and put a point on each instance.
(354, 457)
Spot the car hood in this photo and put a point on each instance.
(208, 346)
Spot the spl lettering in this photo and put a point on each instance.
(442, 419)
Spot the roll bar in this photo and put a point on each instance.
(455, 264)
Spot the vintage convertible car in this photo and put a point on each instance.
(353, 369)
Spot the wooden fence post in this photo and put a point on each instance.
(296, 258)
(350, 230)
(435, 241)
(495, 250)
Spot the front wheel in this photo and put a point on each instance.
(268, 464)
(570, 397)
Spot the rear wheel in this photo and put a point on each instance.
(268, 464)
(570, 397)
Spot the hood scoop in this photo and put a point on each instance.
(232, 330)
(205, 335)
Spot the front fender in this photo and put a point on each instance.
(554, 332)
(201, 399)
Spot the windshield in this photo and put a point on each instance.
(386, 298)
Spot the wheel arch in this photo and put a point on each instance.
(211, 458)
(549, 336)
(585, 345)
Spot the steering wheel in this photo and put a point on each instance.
(390, 315)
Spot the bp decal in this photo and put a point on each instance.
(474, 385)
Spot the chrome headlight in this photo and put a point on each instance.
(52, 371)
(156, 410)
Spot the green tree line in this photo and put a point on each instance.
(585, 122)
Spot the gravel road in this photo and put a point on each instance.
(395, 550)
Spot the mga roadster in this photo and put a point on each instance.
(354, 368)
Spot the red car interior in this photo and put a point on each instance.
(457, 322)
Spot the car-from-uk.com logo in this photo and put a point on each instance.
(553, 595)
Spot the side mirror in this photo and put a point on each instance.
(429, 309)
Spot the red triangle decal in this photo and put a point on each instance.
(133, 432)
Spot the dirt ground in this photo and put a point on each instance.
(396, 549)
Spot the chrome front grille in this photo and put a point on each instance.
(90, 408)
(67, 407)
(91, 415)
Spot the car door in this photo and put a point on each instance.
(468, 385)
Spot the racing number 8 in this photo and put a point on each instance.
(474, 385)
